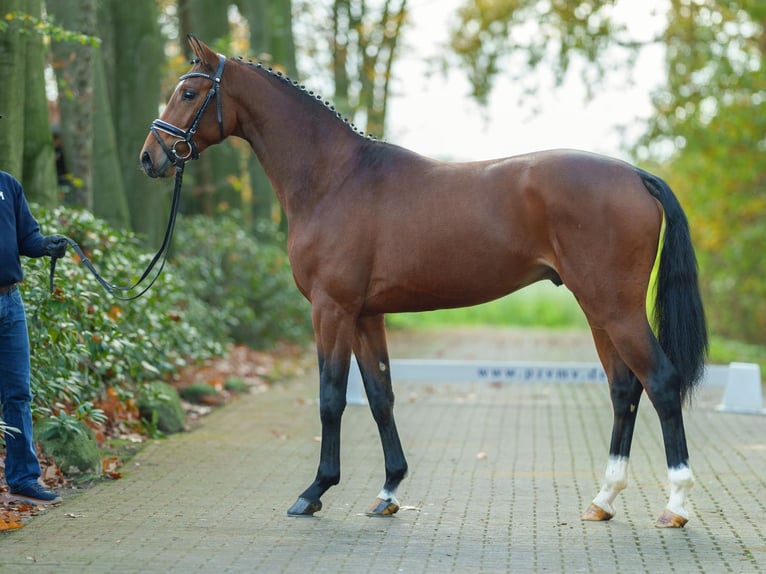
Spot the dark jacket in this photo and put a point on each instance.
(19, 231)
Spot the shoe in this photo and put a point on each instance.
(36, 494)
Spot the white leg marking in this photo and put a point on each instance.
(615, 481)
(681, 481)
(388, 496)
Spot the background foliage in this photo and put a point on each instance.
(242, 277)
(85, 342)
(709, 140)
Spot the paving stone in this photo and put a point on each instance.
(499, 475)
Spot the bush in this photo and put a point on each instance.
(71, 443)
(160, 406)
(221, 285)
(245, 277)
(235, 385)
(198, 393)
(84, 340)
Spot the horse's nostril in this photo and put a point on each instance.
(146, 162)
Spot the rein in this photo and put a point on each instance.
(177, 159)
(162, 252)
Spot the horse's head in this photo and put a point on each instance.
(193, 118)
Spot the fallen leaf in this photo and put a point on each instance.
(51, 473)
(10, 521)
(109, 466)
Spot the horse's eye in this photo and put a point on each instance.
(188, 95)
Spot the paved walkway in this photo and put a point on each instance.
(498, 477)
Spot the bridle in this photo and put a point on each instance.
(186, 136)
(177, 159)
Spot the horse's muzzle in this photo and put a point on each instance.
(149, 168)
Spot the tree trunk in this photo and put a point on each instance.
(109, 200)
(74, 65)
(271, 34)
(12, 58)
(282, 40)
(361, 93)
(38, 174)
(343, 22)
(134, 65)
(26, 142)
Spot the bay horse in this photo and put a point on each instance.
(375, 229)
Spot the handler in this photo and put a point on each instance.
(19, 235)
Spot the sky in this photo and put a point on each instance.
(431, 113)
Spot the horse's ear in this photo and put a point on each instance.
(202, 51)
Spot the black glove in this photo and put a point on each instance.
(55, 245)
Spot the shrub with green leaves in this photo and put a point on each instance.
(245, 277)
(222, 284)
(83, 340)
(71, 443)
(160, 408)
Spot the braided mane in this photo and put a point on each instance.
(304, 90)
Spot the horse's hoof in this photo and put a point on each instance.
(596, 514)
(671, 520)
(304, 507)
(383, 507)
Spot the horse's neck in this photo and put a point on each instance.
(301, 146)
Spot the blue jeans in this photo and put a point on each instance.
(21, 464)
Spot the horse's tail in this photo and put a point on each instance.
(678, 313)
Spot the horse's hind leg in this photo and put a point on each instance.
(372, 354)
(641, 351)
(664, 390)
(625, 390)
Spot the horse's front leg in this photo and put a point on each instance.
(372, 355)
(333, 329)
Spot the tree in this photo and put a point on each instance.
(514, 36)
(39, 171)
(132, 62)
(75, 69)
(364, 42)
(26, 143)
(271, 31)
(109, 201)
(271, 38)
(11, 91)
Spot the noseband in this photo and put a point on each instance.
(185, 136)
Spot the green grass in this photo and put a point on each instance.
(724, 351)
(546, 306)
(539, 305)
